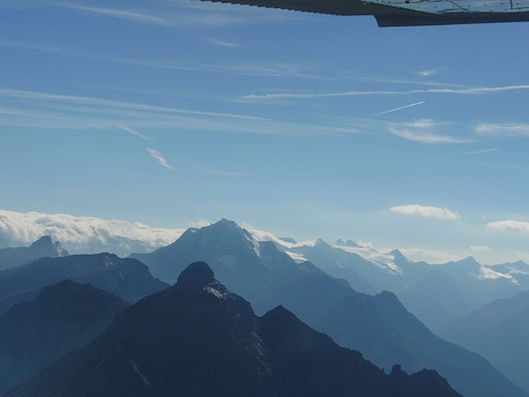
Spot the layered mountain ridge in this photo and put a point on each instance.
(197, 338)
(127, 278)
(267, 276)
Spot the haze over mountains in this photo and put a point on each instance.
(267, 276)
(197, 338)
(332, 288)
(499, 331)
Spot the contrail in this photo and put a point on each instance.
(484, 151)
(411, 105)
(445, 91)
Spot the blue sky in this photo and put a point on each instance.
(168, 112)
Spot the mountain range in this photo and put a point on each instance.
(378, 326)
(197, 338)
(454, 289)
(128, 279)
(63, 317)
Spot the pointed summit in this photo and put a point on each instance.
(399, 256)
(196, 276)
(44, 241)
(226, 224)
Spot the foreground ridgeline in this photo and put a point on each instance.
(64, 317)
(196, 338)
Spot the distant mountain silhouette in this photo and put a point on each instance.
(199, 339)
(43, 247)
(518, 270)
(341, 264)
(63, 317)
(378, 326)
(436, 294)
(454, 289)
(500, 332)
(127, 278)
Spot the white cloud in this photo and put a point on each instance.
(509, 225)
(502, 129)
(83, 234)
(423, 137)
(397, 109)
(158, 157)
(425, 211)
(427, 72)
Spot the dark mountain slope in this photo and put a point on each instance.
(127, 278)
(198, 339)
(62, 318)
(43, 247)
(385, 332)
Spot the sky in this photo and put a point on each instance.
(175, 112)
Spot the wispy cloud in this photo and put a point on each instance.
(425, 211)
(428, 72)
(444, 91)
(159, 158)
(36, 95)
(130, 15)
(180, 14)
(131, 131)
(218, 172)
(493, 149)
(265, 69)
(423, 137)
(222, 43)
(502, 129)
(397, 109)
(510, 225)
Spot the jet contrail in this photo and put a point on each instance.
(411, 105)
(484, 151)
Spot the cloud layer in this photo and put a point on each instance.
(510, 225)
(425, 211)
(83, 234)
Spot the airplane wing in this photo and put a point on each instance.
(408, 12)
